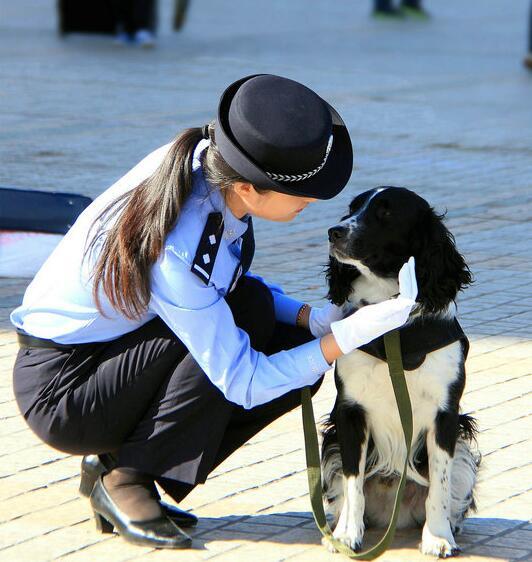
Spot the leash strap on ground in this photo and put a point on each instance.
(395, 366)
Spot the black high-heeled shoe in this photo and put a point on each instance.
(160, 532)
(94, 466)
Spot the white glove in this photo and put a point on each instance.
(374, 320)
(319, 322)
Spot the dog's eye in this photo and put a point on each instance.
(383, 213)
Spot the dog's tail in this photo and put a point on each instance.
(466, 465)
(467, 428)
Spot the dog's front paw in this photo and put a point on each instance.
(353, 544)
(352, 538)
(442, 547)
(326, 542)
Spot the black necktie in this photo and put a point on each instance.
(247, 249)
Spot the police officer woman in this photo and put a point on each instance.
(146, 343)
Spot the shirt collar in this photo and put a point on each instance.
(234, 228)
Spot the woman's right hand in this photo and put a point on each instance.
(374, 320)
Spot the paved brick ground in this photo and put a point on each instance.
(441, 106)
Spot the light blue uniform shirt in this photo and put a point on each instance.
(58, 304)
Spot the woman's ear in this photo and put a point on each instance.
(339, 276)
(441, 270)
(243, 189)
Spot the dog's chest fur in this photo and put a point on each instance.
(365, 380)
(370, 288)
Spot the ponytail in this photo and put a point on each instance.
(145, 217)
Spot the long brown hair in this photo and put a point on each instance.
(144, 217)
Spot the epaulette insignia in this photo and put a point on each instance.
(209, 243)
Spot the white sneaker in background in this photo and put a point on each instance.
(144, 38)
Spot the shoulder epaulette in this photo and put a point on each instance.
(208, 246)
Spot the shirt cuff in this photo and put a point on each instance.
(311, 356)
(286, 308)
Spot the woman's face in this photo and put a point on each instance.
(270, 205)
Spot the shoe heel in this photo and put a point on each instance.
(86, 483)
(102, 524)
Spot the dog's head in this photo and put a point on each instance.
(384, 227)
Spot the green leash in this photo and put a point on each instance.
(392, 345)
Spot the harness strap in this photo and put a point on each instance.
(395, 366)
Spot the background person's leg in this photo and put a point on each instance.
(144, 22)
(527, 61)
(123, 10)
(414, 8)
(384, 7)
(414, 4)
(530, 29)
(143, 14)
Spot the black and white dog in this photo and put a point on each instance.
(363, 449)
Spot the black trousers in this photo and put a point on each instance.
(388, 4)
(144, 397)
(530, 28)
(135, 14)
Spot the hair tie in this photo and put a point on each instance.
(205, 132)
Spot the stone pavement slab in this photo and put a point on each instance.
(442, 107)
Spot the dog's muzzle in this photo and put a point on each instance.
(337, 233)
(340, 241)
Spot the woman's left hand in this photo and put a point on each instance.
(320, 319)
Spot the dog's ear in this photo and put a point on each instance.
(339, 276)
(441, 270)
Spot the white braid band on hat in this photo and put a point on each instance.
(306, 175)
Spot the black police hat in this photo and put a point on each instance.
(280, 135)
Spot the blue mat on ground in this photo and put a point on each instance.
(39, 211)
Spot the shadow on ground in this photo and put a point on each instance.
(473, 539)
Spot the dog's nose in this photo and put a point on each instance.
(336, 232)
